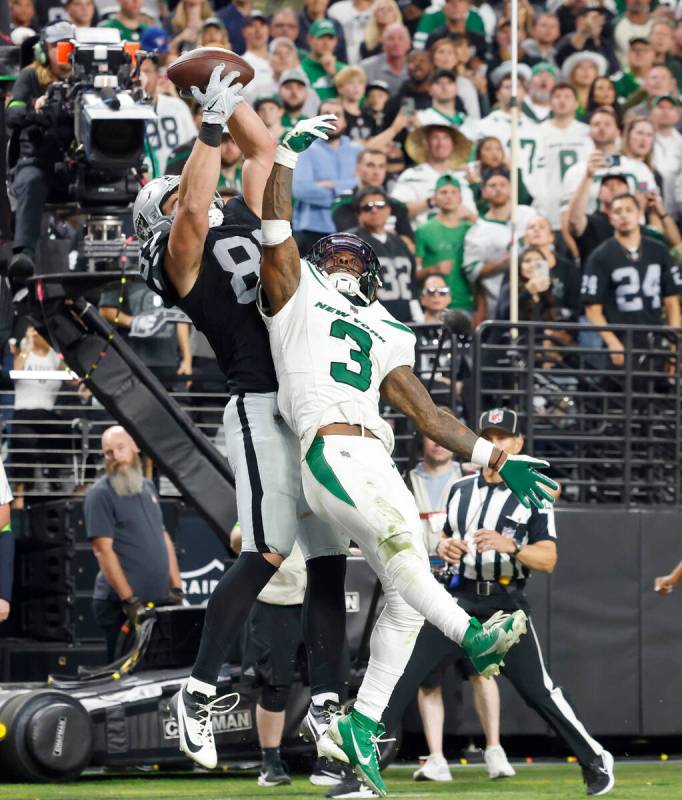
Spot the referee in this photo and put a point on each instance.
(492, 543)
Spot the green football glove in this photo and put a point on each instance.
(521, 476)
(304, 133)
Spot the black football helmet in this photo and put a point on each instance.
(329, 252)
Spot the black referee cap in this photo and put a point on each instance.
(500, 419)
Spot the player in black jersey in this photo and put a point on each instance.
(630, 279)
(205, 258)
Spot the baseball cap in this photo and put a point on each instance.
(254, 15)
(638, 40)
(378, 85)
(267, 98)
(59, 32)
(447, 180)
(442, 73)
(155, 39)
(545, 66)
(322, 27)
(295, 74)
(500, 419)
(212, 22)
(674, 100)
(494, 172)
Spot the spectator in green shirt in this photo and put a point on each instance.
(129, 21)
(321, 65)
(440, 242)
(640, 60)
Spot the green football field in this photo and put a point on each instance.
(636, 781)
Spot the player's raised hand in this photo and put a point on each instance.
(521, 476)
(304, 133)
(220, 98)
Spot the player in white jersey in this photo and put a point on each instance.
(563, 142)
(337, 351)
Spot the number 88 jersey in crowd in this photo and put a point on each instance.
(331, 357)
(221, 304)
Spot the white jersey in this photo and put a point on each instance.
(5, 493)
(331, 357)
(639, 177)
(498, 124)
(668, 161)
(490, 240)
(173, 126)
(560, 149)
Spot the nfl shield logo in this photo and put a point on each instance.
(496, 415)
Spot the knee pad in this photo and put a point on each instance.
(274, 698)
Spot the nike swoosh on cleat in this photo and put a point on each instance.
(361, 760)
(191, 746)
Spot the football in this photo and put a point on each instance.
(195, 68)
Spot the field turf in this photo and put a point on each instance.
(635, 781)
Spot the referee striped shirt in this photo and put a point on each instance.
(473, 503)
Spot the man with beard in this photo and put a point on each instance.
(137, 562)
(299, 101)
(543, 79)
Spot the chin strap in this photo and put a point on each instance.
(348, 285)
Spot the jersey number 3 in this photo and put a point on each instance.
(339, 371)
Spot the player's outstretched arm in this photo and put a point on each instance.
(258, 147)
(199, 180)
(402, 390)
(281, 267)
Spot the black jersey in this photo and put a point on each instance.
(630, 288)
(222, 302)
(399, 287)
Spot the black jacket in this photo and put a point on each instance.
(43, 135)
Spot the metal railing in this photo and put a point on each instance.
(613, 434)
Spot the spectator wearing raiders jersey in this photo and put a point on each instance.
(493, 543)
(630, 279)
(371, 171)
(398, 290)
(173, 124)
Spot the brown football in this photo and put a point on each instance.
(195, 68)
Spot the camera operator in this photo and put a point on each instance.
(41, 130)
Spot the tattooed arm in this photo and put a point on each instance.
(402, 390)
(281, 267)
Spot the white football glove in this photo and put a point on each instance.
(219, 99)
(301, 136)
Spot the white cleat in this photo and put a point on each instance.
(195, 731)
(497, 764)
(435, 768)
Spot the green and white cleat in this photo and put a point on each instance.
(487, 644)
(357, 736)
